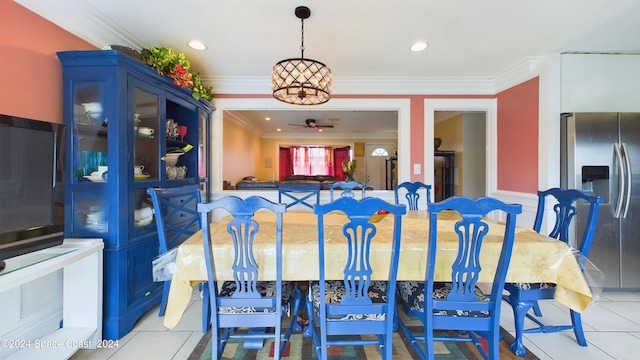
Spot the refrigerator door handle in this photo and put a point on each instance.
(622, 180)
(627, 171)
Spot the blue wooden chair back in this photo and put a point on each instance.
(471, 230)
(524, 296)
(300, 194)
(350, 309)
(412, 193)
(176, 219)
(347, 188)
(246, 301)
(565, 211)
(176, 215)
(460, 304)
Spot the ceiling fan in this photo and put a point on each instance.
(311, 124)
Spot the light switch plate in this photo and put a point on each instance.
(416, 169)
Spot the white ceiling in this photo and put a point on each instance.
(359, 40)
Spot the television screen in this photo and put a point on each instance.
(31, 185)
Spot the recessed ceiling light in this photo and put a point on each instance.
(267, 118)
(278, 129)
(197, 44)
(419, 46)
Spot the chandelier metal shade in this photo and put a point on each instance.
(301, 81)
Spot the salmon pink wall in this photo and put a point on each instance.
(417, 137)
(518, 137)
(31, 82)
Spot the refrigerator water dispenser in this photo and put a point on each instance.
(595, 181)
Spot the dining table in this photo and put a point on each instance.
(535, 257)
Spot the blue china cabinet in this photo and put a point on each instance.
(123, 118)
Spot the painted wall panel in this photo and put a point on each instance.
(242, 153)
(518, 138)
(31, 73)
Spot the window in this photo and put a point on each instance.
(380, 152)
(311, 160)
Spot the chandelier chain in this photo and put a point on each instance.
(302, 39)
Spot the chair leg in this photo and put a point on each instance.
(165, 296)
(493, 345)
(520, 310)
(396, 319)
(412, 339)
(303, 304)
(309, 328)
(536, 309)
(428, 343)
(206, 309)
(292, 326)
(215, 343)
(576, 320)
(386, 346)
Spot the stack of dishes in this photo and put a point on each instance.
(143, 216)
(96, 220)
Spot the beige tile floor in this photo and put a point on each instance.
(612, 327)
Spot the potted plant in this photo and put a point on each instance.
(349, 168)
(176, 66)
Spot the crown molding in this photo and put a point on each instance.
(78, 15)
(315, 135)
(441, 116)
(517, 74)
(237, 118)
(364, 85)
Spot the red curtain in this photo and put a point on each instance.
(286, 163)
(340, 155)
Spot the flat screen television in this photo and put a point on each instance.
(31, 185)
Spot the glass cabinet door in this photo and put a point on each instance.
(146, 134)
(90, 212)
(89, 158)
(146, 163)
(90, 129)
(203, 155)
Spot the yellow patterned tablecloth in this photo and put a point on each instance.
(535, 258)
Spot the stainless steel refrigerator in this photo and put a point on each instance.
(601, 155)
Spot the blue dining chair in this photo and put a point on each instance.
(459, 304)
(355, 305)
(300, 194)
(347, 188)
(411, 192)
(524, 296)
(246, 301)
(177, 219)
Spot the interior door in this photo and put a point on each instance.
(375, 162)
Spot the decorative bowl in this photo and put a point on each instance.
(172, 158)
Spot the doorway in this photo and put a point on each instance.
(487, 151)
(375, 162)
(460, 162)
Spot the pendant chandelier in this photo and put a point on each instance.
(301, 81)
